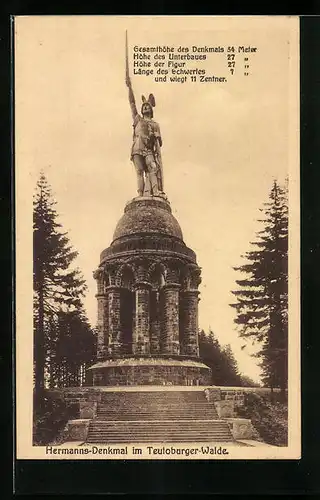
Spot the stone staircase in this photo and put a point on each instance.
(157, 416)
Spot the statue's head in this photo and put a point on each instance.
(147, 105)
(146, 110)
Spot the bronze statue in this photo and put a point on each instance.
(147, 141)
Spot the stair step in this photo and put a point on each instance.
(143, 425)
(210, 421)
(153, 423)
(204, 420)
(153, 404)
(161, 439)
(164, 432)
(189, 437)
(157, 407)
(162, 416)
(154, 410)
(154, 397)
(161, 432)
(143, 431)
(156, 414)
(158, 429)
(162, 424)
(144, 428)
(136, 418)
(169, 431)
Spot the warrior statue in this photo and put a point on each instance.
(145, 151)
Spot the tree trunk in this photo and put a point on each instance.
(39, 354)
(51, 373)
(271, 392)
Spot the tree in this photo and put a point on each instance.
(262, 297)
(71, 348)
(221, 360)
(57, 286)
(248, 381)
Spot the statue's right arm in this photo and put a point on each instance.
(132, 100)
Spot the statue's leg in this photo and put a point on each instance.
(138, 161)
(152, 169)
(147, 185)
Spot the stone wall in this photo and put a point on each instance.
(151, 375)
(78, 429)
(241, 428)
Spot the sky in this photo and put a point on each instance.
(223, 143)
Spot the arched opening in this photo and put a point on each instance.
(107, 281)
(127, 309)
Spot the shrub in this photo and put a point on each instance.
(270, 418)
(51, 420)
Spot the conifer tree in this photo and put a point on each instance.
(262, 296)
(221, 360)
(57, 285)
(71, 349)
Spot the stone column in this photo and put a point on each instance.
(101, 321)
(170, 326)
(141, 334)
(154, 322)
(114, 326)
(102, 327)
(189, 322)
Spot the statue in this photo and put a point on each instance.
(147, 141)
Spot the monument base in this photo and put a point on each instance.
(149, 371)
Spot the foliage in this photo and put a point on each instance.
(262, 297)
(220, 359)
(50, 420)
(62, 335)
(54, 279)
(248, 382)
(71, 348)
(270, 418)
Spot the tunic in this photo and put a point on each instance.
(145, 133)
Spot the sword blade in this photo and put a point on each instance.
(127, 56)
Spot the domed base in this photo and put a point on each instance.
(147, 214)
(150, 371)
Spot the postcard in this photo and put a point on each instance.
(157, 237)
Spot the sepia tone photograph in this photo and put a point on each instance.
(157, 237)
